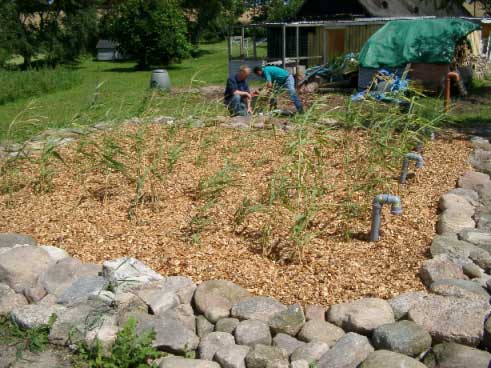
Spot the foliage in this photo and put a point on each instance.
(153, 31)
(211, 18)
(274, 10)
(32, 83)
(131, 350)
(59, 31)
(34, 339)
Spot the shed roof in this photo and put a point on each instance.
(378, 8)
(106, 44)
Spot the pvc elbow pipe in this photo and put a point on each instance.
(378, 202)
(412, 156)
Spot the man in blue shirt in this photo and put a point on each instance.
(237, 93)
(278, 79)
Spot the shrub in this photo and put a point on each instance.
(153, 32)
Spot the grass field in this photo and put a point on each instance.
(109, 90)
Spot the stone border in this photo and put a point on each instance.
(226, 326)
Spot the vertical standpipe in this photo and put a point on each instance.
(412, 156)
(378, 203)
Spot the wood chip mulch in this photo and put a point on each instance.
(86, 214)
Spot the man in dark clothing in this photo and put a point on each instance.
(237, 93)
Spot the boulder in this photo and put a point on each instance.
(171, 335)
(73, 323)
(227, 325)
(453, 221)
(470, 195)
(46, 359)
(404, 337)
(213, 342)
(472, 271)
(481, 238)
(455, 202)
(82, 289)
(126, 303)
(182, 286)
(473, 180)
(288, 321)
(127, 273)
(159, 300)
(451, 247)
(20, 267)
(61, 275)
(440, 268)
(56, 254)
(451, 319)
(9, 299)
(389, 359)
(260, 308)
(232, 356)
(361, 316)
(34, 294)
(310, 352)
(262, 356)
(287, 342)
(215, 298)
(252, 332)
(484, 220)
(203, 326)
(104, 331)
(404, 302)
(451, 355)
(299, 364)
(348, 352)
(9, 240)
(317, 312)
(178, 362)
(316, 330)
(34, 315)
(459, 288)
(183, 313)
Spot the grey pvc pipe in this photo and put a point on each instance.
(378, 203)
(412, 156)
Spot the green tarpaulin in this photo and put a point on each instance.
(400, 42)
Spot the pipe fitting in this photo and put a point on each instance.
(378, 203)
(411, 156)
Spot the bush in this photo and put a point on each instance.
(153, 32)
(32, 83)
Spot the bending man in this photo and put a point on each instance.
(237, 93)
(277, 79)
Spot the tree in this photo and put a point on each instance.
(212, 15)
(274, 10)
(152, 31)
(59, 30)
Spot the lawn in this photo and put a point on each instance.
(108, 91)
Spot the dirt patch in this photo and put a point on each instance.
(87, 210)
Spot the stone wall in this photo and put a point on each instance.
(225, 326)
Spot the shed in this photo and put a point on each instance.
(107, 50)
(429, 45)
